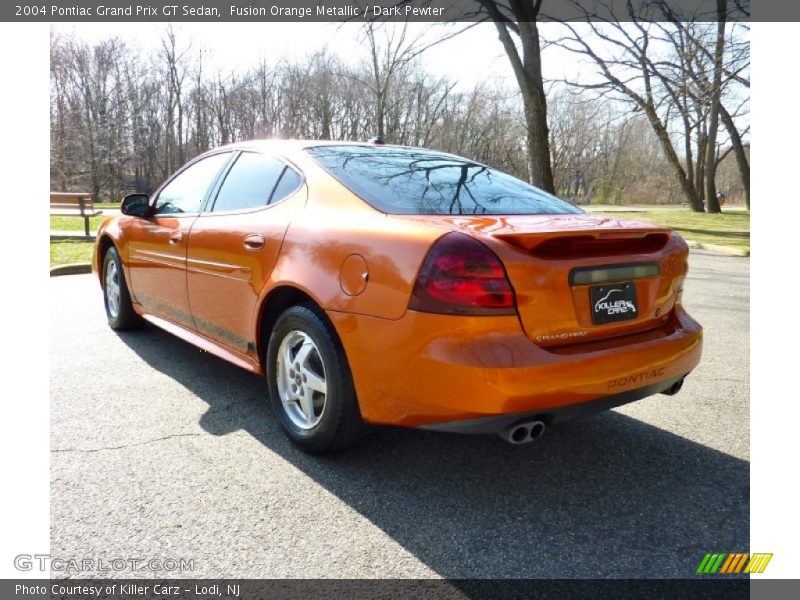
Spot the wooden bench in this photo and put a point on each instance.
(74, 204)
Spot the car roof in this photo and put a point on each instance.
(292, 148)
(293, 144)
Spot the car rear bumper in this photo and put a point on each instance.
(441, 372)
(497, 423)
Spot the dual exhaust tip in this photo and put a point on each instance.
(523, 432)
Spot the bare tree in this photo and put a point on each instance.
(116, 125)
(628, 66)
(176, 70)
(714, 110)
(516, 24)
(391, 51)
(712, 80)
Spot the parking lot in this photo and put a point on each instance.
(160, 450)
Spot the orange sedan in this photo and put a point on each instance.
(382, 284)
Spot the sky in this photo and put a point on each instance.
(473, 57)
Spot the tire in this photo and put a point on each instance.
(316, 403)
(116, 297)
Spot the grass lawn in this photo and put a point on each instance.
(64, 252)
(106, 204)
(727, 229)
(74, 223)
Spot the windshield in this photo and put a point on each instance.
(411, 181)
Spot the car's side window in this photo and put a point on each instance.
(187, 191)
(289, 182)
(249, 183)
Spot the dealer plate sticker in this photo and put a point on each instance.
(613, 302)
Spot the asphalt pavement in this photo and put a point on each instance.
(160, 450)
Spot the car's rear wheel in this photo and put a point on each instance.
(119, 309)
(310, 386)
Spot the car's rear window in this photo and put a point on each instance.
(411, 181)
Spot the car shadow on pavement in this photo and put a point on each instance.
(606, 496)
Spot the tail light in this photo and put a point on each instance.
(462, 276)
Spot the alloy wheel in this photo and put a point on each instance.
(112, 289)
(301, 381)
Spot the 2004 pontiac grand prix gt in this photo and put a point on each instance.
(382, 284)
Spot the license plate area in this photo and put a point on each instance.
(613, 302)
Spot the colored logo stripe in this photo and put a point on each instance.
(733, 562)
(710, 563)
(758, 563)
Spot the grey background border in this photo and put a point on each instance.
(712, 587)
(450, 10)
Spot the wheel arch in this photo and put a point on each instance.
(103, 244)
(274, 302)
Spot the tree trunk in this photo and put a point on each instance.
(699, 168)
(381, 116)
(687, 148)
(528, 71)
(713, 119)
(538, 142)
(738, 152)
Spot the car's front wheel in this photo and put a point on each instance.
(310, 386)
(119, 309)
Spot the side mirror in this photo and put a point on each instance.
(136, 205)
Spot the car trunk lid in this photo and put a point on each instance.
(581, 277)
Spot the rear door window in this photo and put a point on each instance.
(289, 182)
(249, 183)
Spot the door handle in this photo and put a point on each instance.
(175, 238)
(254, 241)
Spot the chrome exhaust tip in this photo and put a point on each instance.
(523, 433)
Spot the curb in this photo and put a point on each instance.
(73, 269)
(724, 250)
(731, 232)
